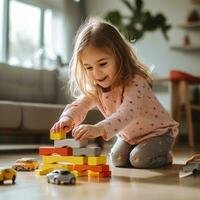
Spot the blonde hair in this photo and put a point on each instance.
(103, 35)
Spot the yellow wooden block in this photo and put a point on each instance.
(97, 160)
(79, 160)
(94, 174)
(43, 171)
(78, 173)
(56, 166)
(57, 135)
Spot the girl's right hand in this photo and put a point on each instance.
(65, 124)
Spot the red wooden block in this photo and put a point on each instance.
(98, 168)
(81, 167)
(63, 151)
(105, 174)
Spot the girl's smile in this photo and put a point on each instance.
(99, 65)
(103, 79)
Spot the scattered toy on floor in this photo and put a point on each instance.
(25, 164)
(6, 174)
(192, 166)
(59, 176)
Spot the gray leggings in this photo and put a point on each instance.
(150, 153)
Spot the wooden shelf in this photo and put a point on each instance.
(186, 48)
(190, 25)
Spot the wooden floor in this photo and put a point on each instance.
(124, 184)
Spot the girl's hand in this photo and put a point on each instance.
(87, 131)
(65, 124)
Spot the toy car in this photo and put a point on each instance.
(58, 176)
(7, 174)
(25, 164)
(193, 165)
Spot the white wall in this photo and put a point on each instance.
(153, 49)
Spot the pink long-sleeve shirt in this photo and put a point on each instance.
(132, 112)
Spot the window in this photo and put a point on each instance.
(65, 172)
(48, 28)
(25, 33)
(31, 33)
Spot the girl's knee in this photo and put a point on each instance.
(141, 162)
(119, 155)
(145, 162)
(118, 160)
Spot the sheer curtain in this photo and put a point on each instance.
(1, 31)
(59, 23)
(66, 18)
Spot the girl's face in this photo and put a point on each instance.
(100, 65)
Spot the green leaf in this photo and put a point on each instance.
(114, 17)
(127, 3)
(138, 22)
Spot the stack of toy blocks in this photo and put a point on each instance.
(73, 155)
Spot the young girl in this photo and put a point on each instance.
(108, 75)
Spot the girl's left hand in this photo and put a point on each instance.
(87, 131)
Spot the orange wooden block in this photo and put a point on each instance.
(81, 167)
(79, 174)
(99, 174)
(63, 151)
(98, 168)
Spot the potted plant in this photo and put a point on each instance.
(140, 21)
